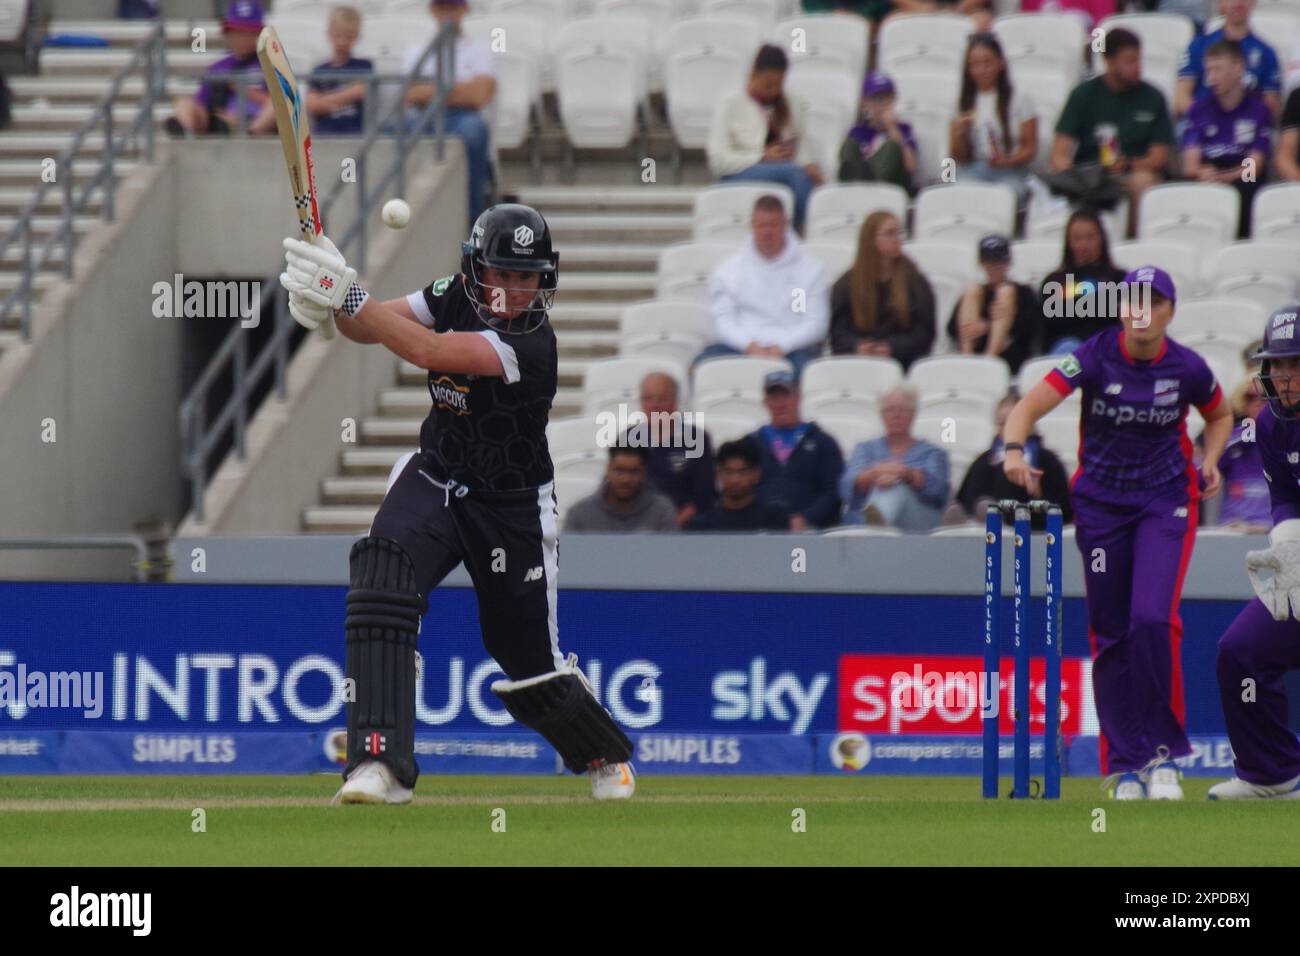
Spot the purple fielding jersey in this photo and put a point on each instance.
(1279, 449)
(1132, 428)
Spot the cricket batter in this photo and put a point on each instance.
(1135, 497)
(1263, 643)
(479, 491)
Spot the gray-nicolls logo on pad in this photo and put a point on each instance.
(74, 909)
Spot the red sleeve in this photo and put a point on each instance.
(1059, 382)
(1215, 398)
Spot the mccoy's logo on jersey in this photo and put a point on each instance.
(447, 394)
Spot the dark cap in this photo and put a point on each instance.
(877, 84)
(995, 248)
(781, 378)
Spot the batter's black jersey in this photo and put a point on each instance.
(485, 431)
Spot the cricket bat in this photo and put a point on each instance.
(295, 136)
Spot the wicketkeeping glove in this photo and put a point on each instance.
(1280, 591)
(318, 272)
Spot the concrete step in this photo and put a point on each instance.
(586, 316)
(610, 287)
(338, 519)
(373, 460)
(391, 431)
(51, 143)
(70, 118)
(27, 172)
(127, 33)
(610, 257)
(578, 228)
(353, 491)
(16, 199)
(579, 345)
(44, 226)
(106, 62)
(63, 90)
(12, 260)
(649, 197)
(9, 338)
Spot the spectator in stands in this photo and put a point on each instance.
(980, 11)
(625, 502)
(1245, 504)
(680, 463)
(1263, 72)
(757, 134)
(473, 90)
(1288, 144)
(336, 105)
(881, 148)
(801, 463)
(740, 508)
(873, 10)
(1229, 130)
(897, 480)
(769, 299)
(137, 9)
(1076, 303)
(1090, 12)
(1117, 120)
(994, 136)
(998, 316)
(882, 305)
(985, 480)
(212, 108)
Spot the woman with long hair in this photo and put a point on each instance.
(757, 134)
(1079, 298)
(994, 136)
(882, 305)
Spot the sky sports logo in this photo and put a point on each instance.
(102, 910)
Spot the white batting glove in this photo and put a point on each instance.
(319, 273)
(1280, 590)
(307, 313)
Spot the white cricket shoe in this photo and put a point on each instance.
(1129, 786)
(1238, 789)
(1162, 783)
(612, 781)
(372, 782)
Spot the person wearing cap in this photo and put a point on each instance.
(757, 134)
(994, 136)
(996, 317)
(739, 508)
(1229, 130)
(883, 305)
(880, 148)
(1262, 645)
(801, 464)
(769, 299)
(1118, 121)
(212, 108)
(896, 480)
(1136, 498)
(469, 102)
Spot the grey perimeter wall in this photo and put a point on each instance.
(107, 372)
(910, 564)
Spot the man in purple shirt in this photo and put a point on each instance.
(1136, 499)
(1229, 129)
(1263, 643)
(213, 108)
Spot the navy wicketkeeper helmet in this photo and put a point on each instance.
(512, 237)
(1280, 341)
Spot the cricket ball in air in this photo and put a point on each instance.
(396, 214)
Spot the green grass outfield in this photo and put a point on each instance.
(673, 820)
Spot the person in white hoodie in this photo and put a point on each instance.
(771, 297)
(757, 134)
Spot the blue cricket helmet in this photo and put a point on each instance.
(1280, 341)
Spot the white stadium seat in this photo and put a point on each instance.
(664, 329)
(1033, 260)
(830, 99)
(1060, 433)
(836, 257)
(764, 13)
(552, 11)
(1202, 214)
(571, 489)
(1164, 36)
(652, 16)
(724, 428)
(847, 386)
(706, 58)
(611, 382)
(927, 101)
(684, 269)
(836, 212)
(1277, 24)
(1177, 258)
(959, 212)
(733, 386)
(1050, 224)
(926, 41)
(571, 436)
(1236, 319)
(966, 385)
(1042, 42)
(1218, 351)
(600, 81)
(1275, 213)
(964, 439)
(849, 431)
(829, 40)
(1034, 371)
(723, 212)
(1262, 272)
(949, 267)
(303, 34)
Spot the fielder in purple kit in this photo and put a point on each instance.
(1136, 497)
(1263, 643)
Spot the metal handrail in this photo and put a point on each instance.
(141, 563)
(149, 54)
(199, 437)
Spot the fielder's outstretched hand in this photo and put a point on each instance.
(1280, 590)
